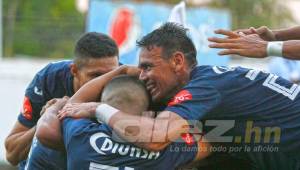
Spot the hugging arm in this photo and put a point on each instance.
(48, 129)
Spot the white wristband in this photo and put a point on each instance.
(104, 112)
(274, 48)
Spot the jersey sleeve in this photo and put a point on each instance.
(195, 100)
(35, 98)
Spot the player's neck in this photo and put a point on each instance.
(184, 78)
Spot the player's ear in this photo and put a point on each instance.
(74, 69)
(178, 61)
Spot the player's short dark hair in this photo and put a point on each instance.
(93, 45)
(171, 37)
(126, 91)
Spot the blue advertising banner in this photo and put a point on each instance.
(127, 21)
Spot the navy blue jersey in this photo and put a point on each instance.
(53, 81)
(41, 157)
(240, 107)
(90, 145)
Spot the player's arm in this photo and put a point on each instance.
(150, 133)
(18, 142)
(291, 49)
(48, 129)
(292, 33)
(267, 34)
(91, 91)
(251, 46)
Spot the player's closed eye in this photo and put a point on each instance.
(96, 75)
(146, 67)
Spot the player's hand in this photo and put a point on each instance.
(244, 45)
(246, 31)
(55, 105)
(228, 33)
(78, 110)
(264, 33)
(47, 105)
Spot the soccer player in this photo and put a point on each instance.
(91, 145)
(259, 43)
(95, 54)
(256, 111)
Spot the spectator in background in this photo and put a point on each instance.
(259, 43)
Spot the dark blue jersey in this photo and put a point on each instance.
(240, 107)
(41, 157)
(90, 145)
(53, 81)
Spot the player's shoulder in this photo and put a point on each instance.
(208, 70)
(217, 73)
(54, 72)
(56, 67)
(218, 77)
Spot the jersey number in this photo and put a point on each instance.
(270, 82)
(291, 93)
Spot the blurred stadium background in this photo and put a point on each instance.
(34, 33)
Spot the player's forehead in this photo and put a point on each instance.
(150, 55)
(101, 64)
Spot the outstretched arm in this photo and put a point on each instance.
(267, 34)
(291, 49)
(251, 45)
(292, 33)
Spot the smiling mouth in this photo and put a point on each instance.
(151, 88)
